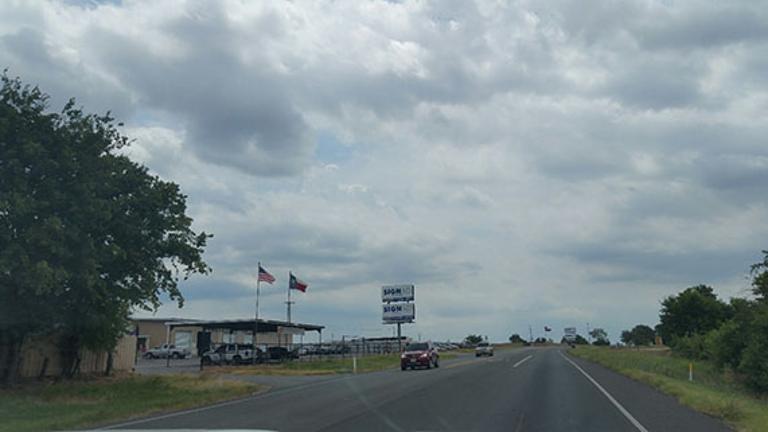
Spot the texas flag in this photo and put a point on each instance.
(296, 283)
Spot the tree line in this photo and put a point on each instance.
(733, 335)
(86, 234)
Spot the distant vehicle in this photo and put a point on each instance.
(165, 350)
(281, 353)
(333, 349)
(444, 346)
(483, 349)
(419, 354)
(308, 350)
(230, 354)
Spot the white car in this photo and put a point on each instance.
(483, 349)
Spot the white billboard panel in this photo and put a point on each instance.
(398, 312)
(570, 333)
(397, 293)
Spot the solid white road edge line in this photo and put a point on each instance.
(522, 361)
(615, 403)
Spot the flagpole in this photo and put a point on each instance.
(255, 351)
(289, 298)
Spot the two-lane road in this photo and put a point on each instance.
(528, 389)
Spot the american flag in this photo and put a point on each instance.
(264, 276)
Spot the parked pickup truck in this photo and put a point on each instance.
(165, 350)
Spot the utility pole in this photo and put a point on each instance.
(530, 334)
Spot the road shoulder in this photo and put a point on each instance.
(652, 408)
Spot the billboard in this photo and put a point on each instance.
(397, 293)
(570, 333)
(398, 312)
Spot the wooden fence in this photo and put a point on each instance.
(41, 356)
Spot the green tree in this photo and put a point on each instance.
(86, 234)
(473, 339)
(696, 310)
(642, 335)
(580, 340)
(600, 336)
(515, 338)
(753, 364)
(626, 337)
(726, 344)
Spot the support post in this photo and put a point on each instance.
(399, 340)
(168, 345)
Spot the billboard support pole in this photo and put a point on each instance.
(399, 340)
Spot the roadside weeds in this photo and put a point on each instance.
(90, 402)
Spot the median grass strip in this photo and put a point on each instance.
(321, 366)
(85, 403)
(714, 392)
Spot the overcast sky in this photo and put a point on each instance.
(543, 163)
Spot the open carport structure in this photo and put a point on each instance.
(268, 332)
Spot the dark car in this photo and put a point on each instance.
(419, 354)
(281, 353)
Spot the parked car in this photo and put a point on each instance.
(165, 350)
(230, 354)
(281, 353)
(419, 354)
(483, 349)
(308, 350)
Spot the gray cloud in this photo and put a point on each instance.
(656, 83)
(28, 52)
(643, 266)
(705, 26)
(236, 114)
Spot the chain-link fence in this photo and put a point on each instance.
(234, 353)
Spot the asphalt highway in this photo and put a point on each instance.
(527, 389)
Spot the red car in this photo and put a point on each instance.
(419, 354)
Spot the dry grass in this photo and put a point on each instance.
(89, 402)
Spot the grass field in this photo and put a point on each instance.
(713, 392)
(322, 367)
(83, 403)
